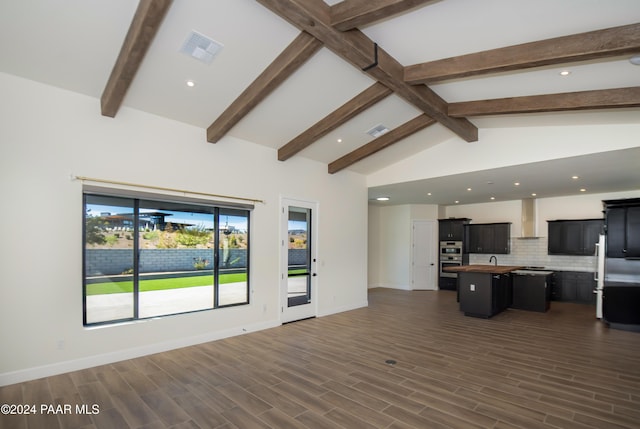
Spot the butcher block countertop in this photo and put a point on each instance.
(479, 268)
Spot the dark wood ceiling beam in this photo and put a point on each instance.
(294, 55)
(578, 47)
(351, 14)
(385, 140)
(144, 26)
(333, 120)
(584, 100)
(356, 48)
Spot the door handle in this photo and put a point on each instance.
(314, 274)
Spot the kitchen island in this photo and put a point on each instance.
(484, 290)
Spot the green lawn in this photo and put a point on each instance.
(162, 284)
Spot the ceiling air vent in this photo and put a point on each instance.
(201, 47)
(377, 131)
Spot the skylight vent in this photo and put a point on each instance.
(377, 131)
(201, 47)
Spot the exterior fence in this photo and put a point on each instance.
(101, 262)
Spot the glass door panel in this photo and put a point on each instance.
(299, 284)
(299, 256)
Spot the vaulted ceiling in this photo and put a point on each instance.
(310, 77)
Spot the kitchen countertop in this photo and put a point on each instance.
(488, 269)
(533, 272)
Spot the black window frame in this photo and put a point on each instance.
(136, 197)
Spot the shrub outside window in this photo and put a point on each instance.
(147, 258)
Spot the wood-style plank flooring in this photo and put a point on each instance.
(519, 369)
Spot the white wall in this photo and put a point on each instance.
(503, 211)
(48, 134)
(390, 243)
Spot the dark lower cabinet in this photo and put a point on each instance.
(484, 295)
(531, 292)
(573, 286)
(447, 283)
(621, 306)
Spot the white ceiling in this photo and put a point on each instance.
(73, 44)
(596, 173)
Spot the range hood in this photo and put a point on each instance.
(529, 221)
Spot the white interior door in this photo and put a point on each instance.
(298, 259)
(424, 264)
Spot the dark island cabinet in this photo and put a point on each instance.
(622, 220)
(452, 229)
(574, 237)
(484, 294)
(573, 286)
(490, 238)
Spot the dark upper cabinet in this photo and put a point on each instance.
(616, 228)
(488, 238)
(622, 218)
(591, 231)
(452, 229)
(501, 235)
(633, 232)
(573, 237)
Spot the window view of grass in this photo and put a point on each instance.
(162, 284)
(175, 247)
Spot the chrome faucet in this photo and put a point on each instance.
(495, 260)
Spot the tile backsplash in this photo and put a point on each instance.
(533, 252)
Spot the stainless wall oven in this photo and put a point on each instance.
(449, 261)
(450, 256)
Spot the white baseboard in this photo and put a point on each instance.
(120, 355)
(335, 310)
(390, 286)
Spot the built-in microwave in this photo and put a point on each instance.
(451, 248)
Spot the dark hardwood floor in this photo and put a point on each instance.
(519, 369)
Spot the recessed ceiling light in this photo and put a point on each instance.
(565, 73)
(516, 183)
(493, 198)
(382, 198)
(468, 189)
(533, 194)
(429, 193)
(575, 177)
(457, 202)
(191, 83)
(635, 60)
(339, 140)
(583, 190)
